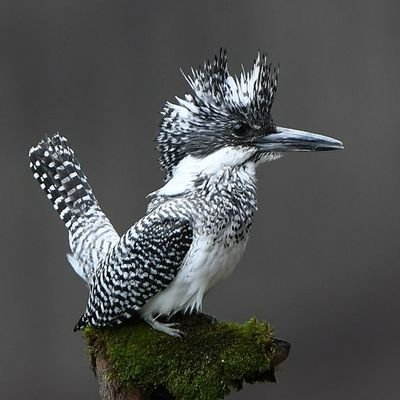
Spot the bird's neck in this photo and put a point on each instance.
(229, 192)
(223, 168)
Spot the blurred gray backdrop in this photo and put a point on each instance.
(322, 264)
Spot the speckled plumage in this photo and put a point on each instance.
(59, 173)
(197, 225)
(220, 111)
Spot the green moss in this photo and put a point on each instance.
(211, 359)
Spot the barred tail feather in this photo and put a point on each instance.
(60, 175)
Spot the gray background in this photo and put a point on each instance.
(322, 263)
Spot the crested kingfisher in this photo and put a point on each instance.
(197, 224)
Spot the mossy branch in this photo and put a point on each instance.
(135, 362)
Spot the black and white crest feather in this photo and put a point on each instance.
(221, 104)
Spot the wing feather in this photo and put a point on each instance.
(143, 263)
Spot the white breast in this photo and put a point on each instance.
(206, 264)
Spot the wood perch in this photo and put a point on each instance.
(135, 362)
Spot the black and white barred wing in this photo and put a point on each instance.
(59, 173)
(144, 262)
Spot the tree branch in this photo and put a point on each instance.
(135, 362)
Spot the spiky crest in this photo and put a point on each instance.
(220, 103)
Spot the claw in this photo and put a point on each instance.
(170, 329)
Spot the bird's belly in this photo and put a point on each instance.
(205, 265)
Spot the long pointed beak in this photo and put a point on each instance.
(286, 139)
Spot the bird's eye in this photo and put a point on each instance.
(241, 130)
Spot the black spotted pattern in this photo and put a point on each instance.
(60, 175)
(142, 264)
(215, 115)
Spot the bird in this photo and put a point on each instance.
(197, 225)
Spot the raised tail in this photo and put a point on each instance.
(59, 174)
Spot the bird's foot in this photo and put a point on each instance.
(170, 328)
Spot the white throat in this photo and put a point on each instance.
(192, 168)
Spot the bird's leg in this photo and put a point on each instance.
(170, 328)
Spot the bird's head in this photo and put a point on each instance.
(228, 119)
